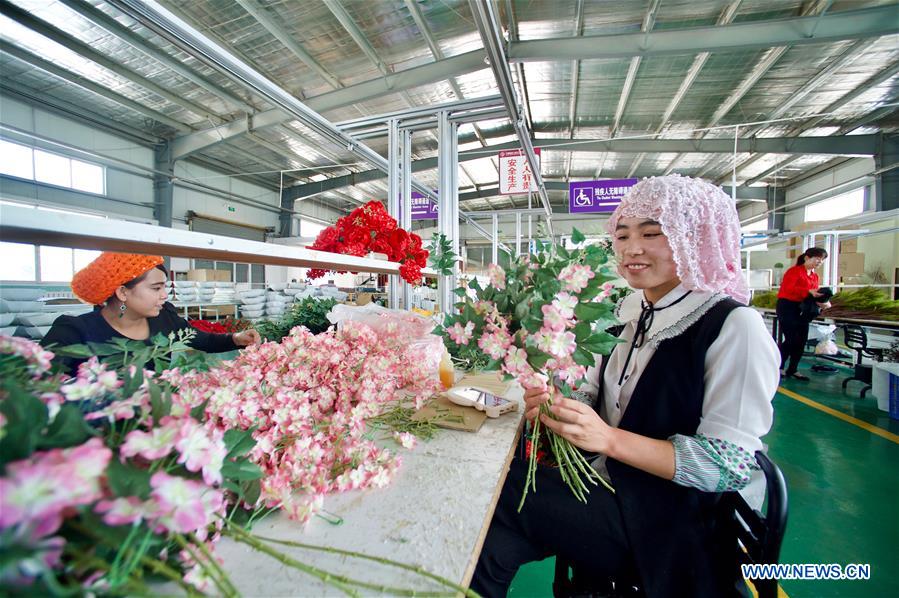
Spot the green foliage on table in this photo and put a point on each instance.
(441, 256)
(867, 303)
(162, 353)
(310, 312)
(765, 299)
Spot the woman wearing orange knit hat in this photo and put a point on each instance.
(128, 292)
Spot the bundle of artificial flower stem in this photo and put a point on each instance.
(574, 468)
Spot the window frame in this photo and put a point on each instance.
(69, 161)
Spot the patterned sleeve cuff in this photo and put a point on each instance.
(711, 464)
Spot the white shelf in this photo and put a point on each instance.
(39, 227)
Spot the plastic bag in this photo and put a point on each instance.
(427, 347)
(826, 347)
(817, 332)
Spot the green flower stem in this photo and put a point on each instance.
(211, 560)
(163, 569)
(574, 468)
(415, 569)
(153, 564)
(218, 577)
(241, 536)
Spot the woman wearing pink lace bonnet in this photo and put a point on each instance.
(675, 414)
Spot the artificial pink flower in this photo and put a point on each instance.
(575, 277)
(152, 445)
(497, 276)
(405, 439)
(185, 505)
(557, 344)
(460, 335)
(36, 491)
(126, 510)
(37, 358)
(565, 305)
(201, 449)
(553, 319)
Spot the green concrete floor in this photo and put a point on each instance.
(843, 483)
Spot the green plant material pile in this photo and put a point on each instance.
(310, 312)
(767, 299)
(866, 303)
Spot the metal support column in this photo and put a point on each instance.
(495, 234)
(447, 202)
(776, 202)
(886, 184)
(163, 184)
(393, 200)
(517, 234)
(285, 218)
(406, 203)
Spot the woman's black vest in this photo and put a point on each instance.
(671, 528)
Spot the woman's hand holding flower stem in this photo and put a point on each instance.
(581, 425)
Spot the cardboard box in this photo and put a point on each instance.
(851, 264)
(208, 275)
(849, 245)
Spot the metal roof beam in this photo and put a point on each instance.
(484, 17)
(817, 7)
(87, 84)
(452, 107)
(270, 24)
(878, 79)
(350, 27)
(726, 17)
(163, 22)
(26, 19)
(415, 11)
(353, 94)
(100, 18)
(849, 145)
(847, 24)
(56, 105)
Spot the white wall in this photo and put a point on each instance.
(827, 184)
(208, 204)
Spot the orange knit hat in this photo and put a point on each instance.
(96, 282)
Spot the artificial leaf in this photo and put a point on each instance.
(591, 311)
(26, 416)
(583, 357)
(125, 479)
(68, 429)
(241, 470)
(601, 343)
(577, 237)
(522, 309)
(582, 330)
(198, 411)
(239, 442)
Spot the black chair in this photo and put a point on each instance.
(757, 540)
(857, 340)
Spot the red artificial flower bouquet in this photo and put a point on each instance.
(370, 228)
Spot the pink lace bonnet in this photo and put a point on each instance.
(702, 227)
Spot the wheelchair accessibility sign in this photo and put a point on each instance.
(597, 196)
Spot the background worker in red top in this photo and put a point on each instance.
(798, 283)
